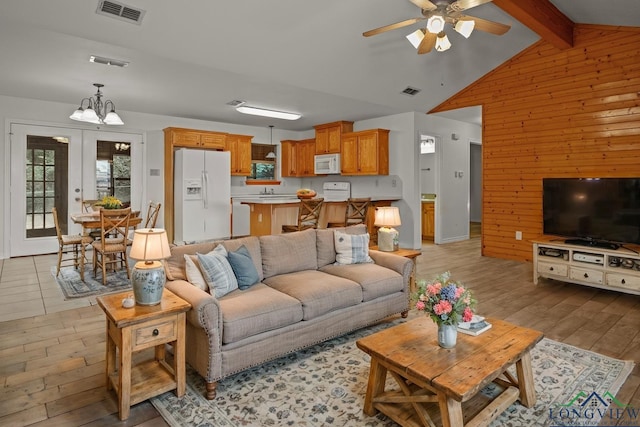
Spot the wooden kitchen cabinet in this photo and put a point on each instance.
(329, 136)
(365, 153)
(297, 158)
(240, 148)
(428, 220)
(188, 138)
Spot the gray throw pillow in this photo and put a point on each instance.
(243, 267)
(218, 272)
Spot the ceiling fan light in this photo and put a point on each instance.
(465, 27)
(435, 24)
(442, 42)
(268, 113)
(416, 37)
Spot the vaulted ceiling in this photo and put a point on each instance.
(189, 59)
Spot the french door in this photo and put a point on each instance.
(57, 167)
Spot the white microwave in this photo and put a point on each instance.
(325, 164)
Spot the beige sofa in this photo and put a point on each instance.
(302, 299)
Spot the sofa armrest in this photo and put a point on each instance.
(205, 309)
(397, 263)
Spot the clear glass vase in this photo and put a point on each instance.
(447, 335)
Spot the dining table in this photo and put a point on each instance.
(91, 220)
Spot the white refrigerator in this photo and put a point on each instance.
(202, 195)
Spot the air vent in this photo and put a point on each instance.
(235, 103)
(411, 91)
(120, 11)
(108, 61)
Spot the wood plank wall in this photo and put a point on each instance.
(553, 113)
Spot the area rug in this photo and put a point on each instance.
(72, 287)
(325, 385)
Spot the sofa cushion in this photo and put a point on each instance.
(256, 310)
(325, 244)
(174, 265)
(218, 272)
(252, 243)
(352, 249)
(243, 267)
(319, 292)
(194, 275)
(285, 253)
(376, 281)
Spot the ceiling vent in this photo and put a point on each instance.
(120, 11)
(411, 91)
(235, 103)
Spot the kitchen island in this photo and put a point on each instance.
(268, 213)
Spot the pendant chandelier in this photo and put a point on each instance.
(96, 111)
(271, 154)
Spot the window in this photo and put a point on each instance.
(113, 171)
(427, 144)
(262, 167)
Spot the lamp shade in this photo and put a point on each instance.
(150, 244)
(387, 217)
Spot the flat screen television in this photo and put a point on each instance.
(601, 212)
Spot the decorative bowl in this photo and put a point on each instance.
(305, 193)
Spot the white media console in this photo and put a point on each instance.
(614, 269)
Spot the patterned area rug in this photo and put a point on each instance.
(325, 385)
(72, 287)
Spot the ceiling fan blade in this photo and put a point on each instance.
(488, 26)
(392, 26)
(461, 5)
(427, 43)
(424, 4)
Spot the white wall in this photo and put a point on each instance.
(28, 111)
(404, 161)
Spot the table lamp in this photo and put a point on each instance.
(386, 219)
(149, 246)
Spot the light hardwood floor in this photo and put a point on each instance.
(52, 366)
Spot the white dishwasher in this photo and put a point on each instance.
(240, 219)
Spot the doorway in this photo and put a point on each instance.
(58, 167)
(475, 189)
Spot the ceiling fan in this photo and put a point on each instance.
(437, 13)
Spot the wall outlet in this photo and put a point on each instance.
(518, 235)
(393, 182)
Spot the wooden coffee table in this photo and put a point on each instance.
(441, 386)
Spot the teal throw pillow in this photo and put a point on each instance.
(218, 272)
(243, 267)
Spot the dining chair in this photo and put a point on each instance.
(73, 245)
(355, 213)
(152, 214)
(308, 215)
(111, 249)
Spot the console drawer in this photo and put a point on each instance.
(623, 281)
(555, 269)
(586, 275)
(153, 333)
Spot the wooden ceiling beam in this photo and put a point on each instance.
(542, 17)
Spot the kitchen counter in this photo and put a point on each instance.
(278, 199)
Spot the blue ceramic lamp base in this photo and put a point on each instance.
(148, 281)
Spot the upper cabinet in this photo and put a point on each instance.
(297, 157)
(188, 138)
(329, 136)
(240, 148)
(365, 152)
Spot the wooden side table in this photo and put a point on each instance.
(412, 254)
(138, 328)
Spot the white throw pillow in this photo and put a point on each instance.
(351, 248)
(194, 276)
(217, 272)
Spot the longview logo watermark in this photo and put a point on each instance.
(587, 409)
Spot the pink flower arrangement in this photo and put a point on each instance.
(447, 302)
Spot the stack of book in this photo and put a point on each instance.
(476, 326)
